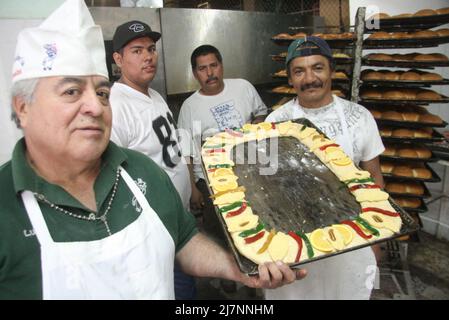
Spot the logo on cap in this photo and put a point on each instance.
(136, 27)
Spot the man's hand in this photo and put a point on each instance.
(196, 199)
(273, 275)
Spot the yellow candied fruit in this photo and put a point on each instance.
(342, 162)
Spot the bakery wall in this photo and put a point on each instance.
(436, 220)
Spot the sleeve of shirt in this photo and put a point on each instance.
(120, 131)
(372, 146)
(279, 115)
(259, 107)
(185, 131)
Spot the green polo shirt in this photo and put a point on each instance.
(20, 262)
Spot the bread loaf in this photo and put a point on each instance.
(425, 12)
(443, 11)
(386, 132)
(403, 133)
(403, 15)
(407, 153)
(377, 16)
(442, 32)
(376, 114)
(422, 133)
(429, 76)
(379, 56)
(423, 153)
(386, 167)
(410, 76)
(372, 75)
(410, 116)
(425, 34)
(402, 171)
(380, 35)
(390, 151)
(428, 95)
(430, 118)
(283, 36)
(371, 94)
(393, 95)
(412, 203)
(422, 173)
(392, 76)
(414, 188)
(392, 115)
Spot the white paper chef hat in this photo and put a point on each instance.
(67, 43)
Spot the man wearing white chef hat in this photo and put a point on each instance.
(81, 217)
(309, 67)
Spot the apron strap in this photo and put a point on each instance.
(37, 219)
(134, 188)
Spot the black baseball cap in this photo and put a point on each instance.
(132, 30)
(297, 48)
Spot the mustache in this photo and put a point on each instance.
(211, 79)
(313, 85)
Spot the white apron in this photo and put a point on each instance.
(134, 263)
(346, 276)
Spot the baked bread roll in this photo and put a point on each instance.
(411, 203)
(379, 56)
(425, 12)
(410, 76)
(407, 153)
(339, 75)
(442, 32)
(346, 35)
(386, 167)
(380, 35)
(414, 188)
(422, 133)
(428, 95)
(403, 15)
(410, 116)
(393, 95)
(430, 118)
(424, 34)
(430, 76)
(386, 132)
(423, 153)
(392, 115)
(421, 173)
(390, 151)
(283, 36)
(442, 11)
(371, 94)
(403, 171)
(376, 114)
(400, 35)
(403, 133)
(372, 75)
(299, 35)
(392, 75)
(281, 73)
(340, 55)
(439, 57)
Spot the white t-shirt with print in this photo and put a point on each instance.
(146, 124)
(362, 127)
(202, 116)
(350, 275)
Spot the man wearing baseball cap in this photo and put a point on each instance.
(142, 120)
(82, 218)
(309, 68)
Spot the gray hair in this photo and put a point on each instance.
(25, 89)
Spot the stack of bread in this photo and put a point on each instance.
(393, 96)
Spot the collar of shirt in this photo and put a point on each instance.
(315, 111)
(25, 178)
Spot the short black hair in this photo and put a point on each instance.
(203, 50)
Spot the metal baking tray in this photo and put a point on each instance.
(410, 124)
(409, 23)
(433, 158)
(436, 136)
(303, 194)
(444, 99)
(426, 193)
(434, 178)
(404, 43)
(404, 84)
(405, 64)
